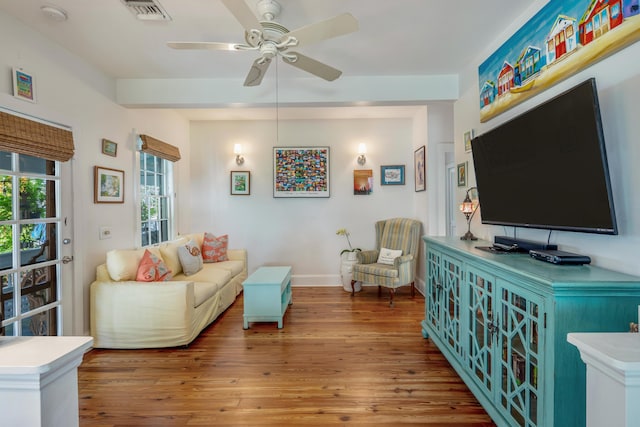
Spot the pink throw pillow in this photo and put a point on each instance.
(152, 269)
(214, 249)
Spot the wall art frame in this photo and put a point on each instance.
(108, 185)
(109, 148)
(24, 84)
(419, 168)
(392, 175)
(240, 183)
(362, 182)
(468, 136)
(556, 43)
(301, 172)
(462, 174)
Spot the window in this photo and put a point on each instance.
(156, 207)
(29, 230)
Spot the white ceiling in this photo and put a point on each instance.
(395, 38)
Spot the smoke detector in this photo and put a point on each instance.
(147, 10)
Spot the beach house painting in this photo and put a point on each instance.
(564, 37)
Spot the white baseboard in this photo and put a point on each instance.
(312, 280)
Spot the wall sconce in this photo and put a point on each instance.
(469, 208)
(237, 150)
(362, 150)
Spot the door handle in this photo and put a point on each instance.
(67, 259)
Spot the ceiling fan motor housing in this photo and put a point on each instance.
(268, 9)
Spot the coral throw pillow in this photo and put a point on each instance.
(214, 249)
(152, 269)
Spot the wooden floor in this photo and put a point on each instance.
(337, 361)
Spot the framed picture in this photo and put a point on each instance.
(578, 24)
(419, 169)
(301, 172)
(108, 185)
(362, 182)
(24, 85)
(109, 148)
(468, 136)
(240, 183)
(462, 174)
(392, 175)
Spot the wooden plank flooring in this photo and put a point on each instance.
(337, 361)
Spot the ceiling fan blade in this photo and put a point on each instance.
(257, 72)
(243, 14)
(312, 66)
(202, 45)
(332, 27)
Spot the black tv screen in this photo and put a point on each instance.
(547, 168)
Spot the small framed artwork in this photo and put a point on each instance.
(462, 174)
(468, 136)
(301, 172)
(362, 182)
(392, 175)
(108, 185)
(419, 169)
(109, 148)
(24, 85)
(240, 183)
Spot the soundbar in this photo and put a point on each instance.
(522, 245)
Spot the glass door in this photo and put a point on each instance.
(30, 246)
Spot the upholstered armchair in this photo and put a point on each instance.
(393, 263)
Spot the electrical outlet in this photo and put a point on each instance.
(105, 233)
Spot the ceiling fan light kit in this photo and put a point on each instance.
(271, 39)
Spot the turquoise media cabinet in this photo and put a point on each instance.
(502, 321)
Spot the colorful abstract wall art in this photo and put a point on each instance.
(301, 172)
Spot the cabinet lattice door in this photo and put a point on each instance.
(518, 339)
(482, 328)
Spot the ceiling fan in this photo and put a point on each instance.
(271, 39)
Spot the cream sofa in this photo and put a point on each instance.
(130, 314)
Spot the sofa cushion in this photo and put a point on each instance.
(202, 291)
(190, 257)
(123, 264)
(387, 256)
(234, 266)
(152, 269)
(169, 252)
(214, 249)
(210, 273)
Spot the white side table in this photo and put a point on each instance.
(613, 377)
(39, 380)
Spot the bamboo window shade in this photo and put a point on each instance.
(159, 148)
(24, 136)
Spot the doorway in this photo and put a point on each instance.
(452, 206)
(33, 230)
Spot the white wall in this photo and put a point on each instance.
(301, 232)
(618, 82)
(72, 93)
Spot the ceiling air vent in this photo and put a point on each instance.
(147, 10)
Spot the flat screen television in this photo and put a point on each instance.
(547, 168)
